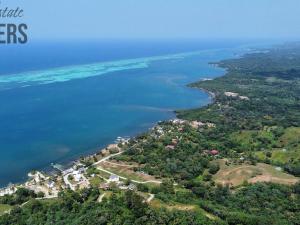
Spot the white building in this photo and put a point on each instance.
(77, 175)
(231, 94)
(7, 191)
(114, 178)
(50, 184)
(131, 187)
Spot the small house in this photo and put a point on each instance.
(50, 184)
(77, 176)
(131, 187)
(104, 186)
(170, 147)
(174, 141)
(214, 152)
(114, 178)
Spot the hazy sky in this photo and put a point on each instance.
(160, 18)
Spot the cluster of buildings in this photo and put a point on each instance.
(115, 180)
(122, 140)
(157, 131)
(235, 95)
(38, 182)
(179, 124)
(195, 124)
(74, 177)
(173, 144)
(10, 189)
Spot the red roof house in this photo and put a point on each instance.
(214, 152)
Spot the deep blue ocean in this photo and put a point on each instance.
(62, 100)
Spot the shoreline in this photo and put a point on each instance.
(51, 171)
(211, 96)
(54, 171)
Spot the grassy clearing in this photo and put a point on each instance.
(103, 174)
(199, 178)
(49, 200)
(4, 208)
(253, 139)
(96, 181)
(235, 175)
(156, 203)
(289, 149)
(108, 194)
(126, 171)
(291, 138)
(280, 156)
(143, 194)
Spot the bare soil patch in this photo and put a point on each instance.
(234, 175)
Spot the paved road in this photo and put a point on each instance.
(67, 182)
(101, 197)
(107, 157)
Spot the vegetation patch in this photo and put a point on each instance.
(4, 208)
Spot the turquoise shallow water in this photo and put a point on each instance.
(63, 74)
(58, 114)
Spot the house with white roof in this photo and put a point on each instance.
(114, 178)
